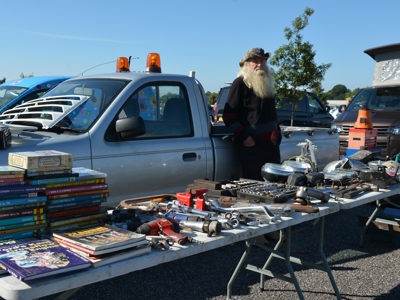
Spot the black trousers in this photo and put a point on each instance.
(253, 158)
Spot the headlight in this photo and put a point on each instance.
(336, 128)
(394, 130)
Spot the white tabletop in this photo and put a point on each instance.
(12, 288)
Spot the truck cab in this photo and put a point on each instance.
(148, 131)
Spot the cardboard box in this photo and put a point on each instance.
(40, 160)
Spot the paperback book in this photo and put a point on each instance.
(76, 189)
(101, 237)
(101, 260)
(39, 258)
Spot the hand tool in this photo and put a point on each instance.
(162, 226)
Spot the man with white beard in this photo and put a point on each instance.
(251, 114)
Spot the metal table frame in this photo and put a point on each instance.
(285, 255)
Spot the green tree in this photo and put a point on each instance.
(212, 97)
(338, 92)
(296, 68)
(2, 80)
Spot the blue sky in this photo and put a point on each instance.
(209, 36)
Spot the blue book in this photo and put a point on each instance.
(40, 258)
(77, 198)
(20, 188)
(65, 206)
(20, 201)
(23, 219)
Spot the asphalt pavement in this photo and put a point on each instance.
(362, 272)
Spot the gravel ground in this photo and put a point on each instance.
(363, 272)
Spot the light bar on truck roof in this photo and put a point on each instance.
(123, 64)
(153, 63)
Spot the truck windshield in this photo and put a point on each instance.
(8, 93)
(377, 98)
(100, 94)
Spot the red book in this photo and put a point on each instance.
(74, 189)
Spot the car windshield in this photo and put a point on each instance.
(9, 92)
(100, 94)
(382, 98)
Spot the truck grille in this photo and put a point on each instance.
(382, 139)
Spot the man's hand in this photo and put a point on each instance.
(249, 142)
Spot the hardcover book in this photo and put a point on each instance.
(101, 237)
(39, 258)
(40, 160)
(91, 252)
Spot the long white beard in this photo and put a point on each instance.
(260, 80)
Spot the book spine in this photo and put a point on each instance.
(21, 195)
(76, 183)
(19, 234)
(21, 206)
(75, 189)
(22, 219)
(58, 196)
(77, 198)
(64, 206)
(7, 176)
(71, 212)
(23, 212)
(22, 226)
(7, 189)
(18, 201)
(101, 215)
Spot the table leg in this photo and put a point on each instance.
(238, 268)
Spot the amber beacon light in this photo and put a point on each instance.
(123, 64)
(153, 63)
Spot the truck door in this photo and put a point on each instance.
(168, 154)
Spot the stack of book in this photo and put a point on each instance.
(22, 206)
(75, 201)
(104, 244)
(73, 195)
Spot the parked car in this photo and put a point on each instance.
(383, 101)
(309, 112)
(18, 91)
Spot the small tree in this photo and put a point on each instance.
(296, 66)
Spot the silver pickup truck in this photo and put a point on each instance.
(150, 132)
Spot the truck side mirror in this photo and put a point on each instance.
(130, 127)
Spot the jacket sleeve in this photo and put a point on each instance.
(232, 111)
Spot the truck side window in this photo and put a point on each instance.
(164, 109)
